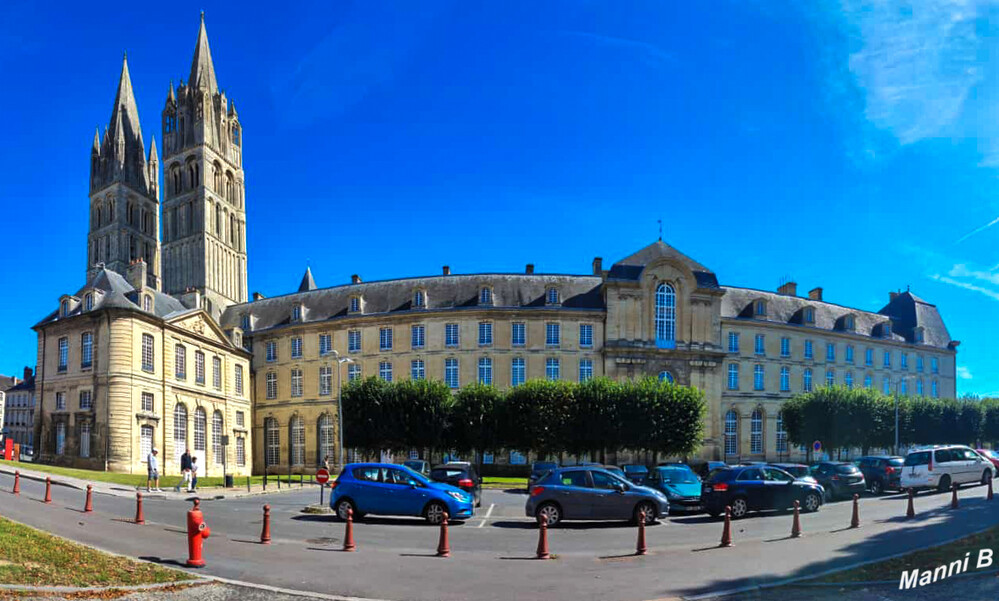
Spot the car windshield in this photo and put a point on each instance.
(677, 475)
(636, 469)
(918, 458)
(446, 473)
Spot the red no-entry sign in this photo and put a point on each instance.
(322, 476)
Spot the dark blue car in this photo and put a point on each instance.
(757, 488)
(389, 489)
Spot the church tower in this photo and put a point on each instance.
(204, 216)
(124, 197)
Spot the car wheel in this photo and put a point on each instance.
(739, 508)
(344, 507)
(434, 513)
(550, 512)
(944, 484)
(986, 476)
(648, 509)
(876, 487)
(812, 502)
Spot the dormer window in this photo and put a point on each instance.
(809, 315)
(486, 296)
(355, 304)
(64, 308)
(552, 297)
(918, 335)
(850, 323)
(760, 308)
(147, 302)
(296, 313)
(244, 322)
(419, 299)
(88, 301)
(886, 329)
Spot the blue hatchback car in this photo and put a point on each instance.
(389, 489)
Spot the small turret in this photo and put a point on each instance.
(153, 167)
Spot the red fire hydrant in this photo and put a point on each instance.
(197, 531)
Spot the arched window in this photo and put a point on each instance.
(781, 434)
(756, 432)
(179, 431)
(665, 316)
(324, 429)
(731, 432)
(297, 431)
(665, 376)
(200, 425)
(272, 440)
(217, 437)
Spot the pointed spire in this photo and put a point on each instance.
(97, 140)
(202, 69)
(307, 282)
(153, 155)
(125, 114)
(171, 97)
(232, 109)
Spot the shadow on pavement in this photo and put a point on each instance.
(532, 525)
(165, 562)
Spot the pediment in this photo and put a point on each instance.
(202, 326)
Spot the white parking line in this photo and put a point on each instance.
(489, 512)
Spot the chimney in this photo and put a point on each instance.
(447, 270)
(790, 289)
(136, 274)
(530, 268)
(28, 374)
(891, 296)
(355, 279)
(257, 296)
(598, 266)
(815, 294)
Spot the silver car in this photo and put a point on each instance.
(592, 493)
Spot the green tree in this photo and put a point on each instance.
(536, 416)
(475, 419)
(423, 410)
(368, 414)
(594, 423)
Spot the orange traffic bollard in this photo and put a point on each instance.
(726, 539)
(855, 520)
(265, 534)
(954, 504)
(443, 544)
(348, 537)
(48, 489)
(640, 547)
(88, 507)
(17, 482)
(911, 511)
(796, 524)
(543, 538)
(197, 531)
(988, 497)
(139, 517)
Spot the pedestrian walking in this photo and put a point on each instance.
(185, 469)
(194, 474)
(153, 472)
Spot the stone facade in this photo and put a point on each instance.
(18, 417)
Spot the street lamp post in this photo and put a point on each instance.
(339, 404)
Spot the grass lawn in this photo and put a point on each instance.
(503, 482)
(33, 557)
(139, 480)
(891, 569)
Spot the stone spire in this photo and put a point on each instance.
(202, 69)
(125, 114)
(97, 141)
(307, 282)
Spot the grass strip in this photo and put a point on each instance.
(139, 480)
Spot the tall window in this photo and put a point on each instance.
(85, 439)
(781, 434)
(217, 373)
(271, 379)
(296, 347)
(354, 341)
(325, 344)
(325, 380)
(241, 451)
(806, 380)
(586, 335)
(63, 353)
(886, 385)
(869, 357)
(919, 363)
(61, 438)
(147, 402)
(60, 401)
(87, 349)
(385, 339)
(272, 438)
(180, 361)
(760, 347)
(785, 379)
(809, 351)
(485, 333)
(271, 351)
(849, 353)
(296, 382)
(934, 389)
(665, 315)
(297, 440)
(585, 370)
(868, 381)
(296, 313)
(385, 371)
(552, 369)
(785, 347)
(733, 376)
(758, 377)
(809, 315)
(148, 358)
(518, 371)
(485, 296)
(451, 335)
(518, 333)
(830, 351)
(86, 400)
(552, 296)
(756, 432)
(419, 299)
(179, 431)
(324, 429)
(145, 441)
(553, 334)
(417, 370)
(919, 386)
(887, 361)
(217, 437)
(733, 342)
(761, 308)
(353, 372)
(88, 302)
(903, 387)
(731, 432)
(355, 304)
(485, 370)
(199, 367)
(238, 379)
(200, 425)
(418, 336)
(830, 378)
(451, 373)
(934, 365)
(848, 379)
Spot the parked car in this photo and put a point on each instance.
(704, 469)
(680, 484)
(592, 493)
(881, 472)
(839, 478)
(460, 475)
(418, 465)
(538, 469)
(614, 470)
(757, 488)
(798, 470)
(991, 455)
(636, 472)
(389, 489)
(941, 466)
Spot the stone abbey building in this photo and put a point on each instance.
(162, 347)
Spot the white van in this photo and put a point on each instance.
(941, 466)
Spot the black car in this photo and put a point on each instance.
(798, 470)
(704, 470)
(882, 472)
(460, 475)
(838, 478)
(538, 469)
(757, 488)
(636, 472)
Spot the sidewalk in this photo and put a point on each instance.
(121, 490)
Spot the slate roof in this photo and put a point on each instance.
(909, 312)
(202, 67)
(308, 283)
(632, 266)
(23, 385)
(578, 292)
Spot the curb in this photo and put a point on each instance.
(99, 589)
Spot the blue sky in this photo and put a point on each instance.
(854, 147)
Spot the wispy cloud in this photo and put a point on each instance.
(966, 285)
(978, 230)
(963, 372)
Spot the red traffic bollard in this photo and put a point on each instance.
(988, 497)
(265, 534)
(855, 520)
(348, 537)
(796, 524)
(443, 545)
(197, 531)
(48, 489)
(139, 517)
(17, 482)
(953, 497)
(911, 511)
(726, 539)
(543, 538)
(640, 546)
(88, 507)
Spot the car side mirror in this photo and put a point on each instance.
(619, 487)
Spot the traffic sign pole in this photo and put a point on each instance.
(322, 477)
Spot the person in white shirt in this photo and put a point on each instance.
(194, 473)
(153, 474)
